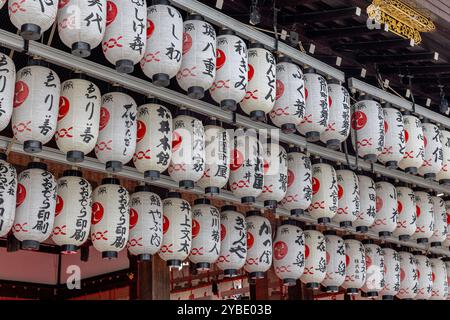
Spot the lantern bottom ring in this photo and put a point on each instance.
(313, 285)
(257, 275)
(429, 176)
(124, 66)
(31, 245)
(248, 200)
(388, 297)
(333, 144)
(371, 294)
(404, 237)
(228, 105)
(174, 263)
(288, 128)
(435, 244)
(258, 115)
(113, 166)
(384, 234)
(323, 220)
(161, 79)
(345, 224)
(312, 136)
(332, 289)
(203, 266)
(351, 291)
(289, 282)
(69, 249)
(212, 190)
(30, 31)
(391, 164)
(445, 182)
(370, 158)
(81, 49)
(362, 229)
(297, 212)
(109, 255)
(152, 175)
(422, 240)
(32, 146)
(145, 257)
(186, 184)
(411, 170)
(230, 273)
(196, 92)
(75, 156)
(271, 204)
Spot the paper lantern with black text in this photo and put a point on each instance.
(414, 145)
(355, 271)
(394, 138)
(433, 154)
(408, 276)
(374, 268)
(439, 290)
(425, 277)
(391, 282)
(385, 208)
(440, 222)
(406, 217)
(443, 176)
(425, 217)
(315, 258)
(324, 202)
(348, 198)
(35, 206)
(447, 240)
(7, 78)
(367, 204)
(335, 260)
(8, 190)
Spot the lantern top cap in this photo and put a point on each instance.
(142, 188)
(386, 245)
(333, 81)
(37, 62)
(446, 259)
(183, 112)
(253, 213)
(202, 201)
(195, 16)
(228, 207)
(349, 237)
(309, 227)
(289, 222)
(226, 31)
(330, 233)
(367, 241)
(156, 2)
(72, 173)
(3, 156)
(309, 70)
(256, 45)
(403, 249)
(284, 59)
(294, 149)
(364, 96)
(37, 165)
(111, 181)
(211, 122)
(173, 194)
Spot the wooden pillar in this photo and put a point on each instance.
(144, 283)
(160, 279)
(152, 280)
(306, 294)
(259, 289)
(295, 292)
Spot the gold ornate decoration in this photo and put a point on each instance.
(401, 18)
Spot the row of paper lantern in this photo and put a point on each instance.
(147, 225)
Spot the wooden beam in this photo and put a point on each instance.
(323, 16)
(160, 279)
(345, 32)
(398, 58)
(371, 45)
(417, 70)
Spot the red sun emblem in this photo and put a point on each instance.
(141, 130)
(59, 205)
(97, 212)
(221, 58)
(195, 228)
(291, 178)
(347, 260)
(280, 89)
(64, 106)
(237, 159)
(306, 251)
(280, 249)
(315, 185)
(340, 191)
(402, 274)
(250, 240)
(433, 276)
(134, 216)
(327, 257)
(150, 28)
(187, 42)
(306, 93)
(359, 120)
(399, 207)
(21, 92)
(62, 3)
(166, 224)
(425, 141)
(330, 101)
(378, 204)
(104, 118)
(448, 218)
(368, 261)
(111, 12)
(418, 274)
(251, 72)
(386, 127)
(223, 232)
(176, 141)
(266, 166)
(406, 136)
(417, 211)
(21, 194)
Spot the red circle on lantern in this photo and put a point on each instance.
(368, 261)
(418, 274)
(195, 228)
(306, 93)
(347, 260)
(433, 276)
(448, 218)
(425, 141)
(134, 217)
(250, 240)
(141, 130)
(291, 178)
(402, 274)
(62, 3)
(406, 135)
(223, 232)
(104, 118)
(315, 185)
(280, 249)
(280, 89)
(59, 205)
(417, 211)
(166, 224)
(97, 212)
(237, 160)
(251, 72)
(399, 207)
(327, 257)
(340, 191)
(176, 141)
(111, 12)
(150, 28)
(306, 251)
(330, 101)
(187, 42)
(21, 92)
(266, 166)
(378, 204)
(64, 107)
(359, 120)
(21, 194)
(221, 58)
(386, 127)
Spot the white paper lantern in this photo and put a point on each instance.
(391, 281)
(163, 51)
(7, 83)
(367, 204)
(374, 269)
(408, 276)
(229, 86)
(73, 211)
(447, 265)
(440, 222)
(394, 138)
(32, 18)
(447, 240)
(81, 25)
(386, 209)
(177, 230)
(35, 206)
(110, 225)
(8, 188)
(368, 129)
(433, 154)
(146, 223)
(324, 203)
(439, 289)
(187, 165)
(261, 92)
(338, 127)
(315, 258)
(205, 234)
(78, 118)
(233, 241)
(299, 183)
(335, 260)
(154, 140)
(217, 160)
(425, 217)
(118, 131)
(246, 175)
(35, 112)
(425, 277)
(406, 209)
(348, 198)
(198, 65)
(126, 27)
(355, 271)
(289, 108)
(443, 176)
(289, 252)
(275, 175)
(315, 120)
(259, 245)
(414, 145)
